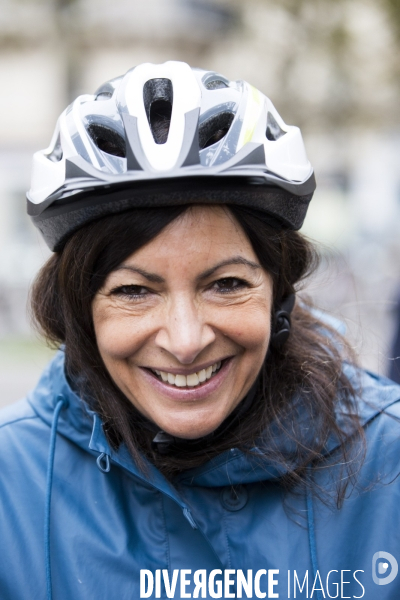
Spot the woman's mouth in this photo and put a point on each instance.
(197, 385)
(188, 381)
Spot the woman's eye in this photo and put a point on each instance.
(229, 284)
(130, 291)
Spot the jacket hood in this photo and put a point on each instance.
(82, 426)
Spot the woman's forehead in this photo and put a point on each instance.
(203, 233)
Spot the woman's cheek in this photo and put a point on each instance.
(249, 328)
(120, 336)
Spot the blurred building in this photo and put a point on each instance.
(329, 67)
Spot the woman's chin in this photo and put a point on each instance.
(187, 429)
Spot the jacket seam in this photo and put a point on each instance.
(382, 412)
(18, 420)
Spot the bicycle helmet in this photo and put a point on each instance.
(168, 135)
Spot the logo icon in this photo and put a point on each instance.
(380, 566)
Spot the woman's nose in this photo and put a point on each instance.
(184, 333)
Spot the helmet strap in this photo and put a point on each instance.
(282, 322)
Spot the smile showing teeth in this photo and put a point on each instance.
(189, 380)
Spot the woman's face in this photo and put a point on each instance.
(183, 324)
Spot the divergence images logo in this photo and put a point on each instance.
(380, 568)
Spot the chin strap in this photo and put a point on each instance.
(282, 323)
(163, 442)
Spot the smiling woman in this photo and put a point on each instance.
(227, 418)
(126, 305)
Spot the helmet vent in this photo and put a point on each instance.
(216, 84)
(103, 96)
(107, 140)
(158, 99)
(274, 131)
(56, 154)
(105, 91)
(214, 129)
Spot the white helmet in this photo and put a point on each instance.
(168, 135)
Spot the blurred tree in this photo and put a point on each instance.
(330, 63)
(393, 9)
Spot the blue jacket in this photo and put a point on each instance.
(79, 522)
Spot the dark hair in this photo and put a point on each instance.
(305, 377)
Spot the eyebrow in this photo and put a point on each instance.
(235, 260)
(153, 278)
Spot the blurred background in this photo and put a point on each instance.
(330, 67)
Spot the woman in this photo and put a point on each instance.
(238, 454)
